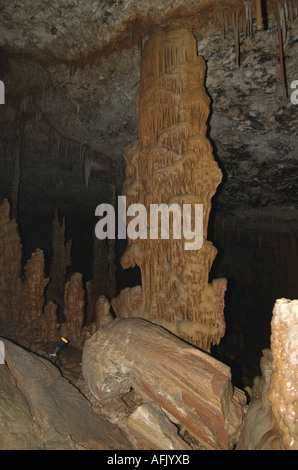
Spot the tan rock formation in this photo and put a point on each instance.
(10, 264)
(103, 312)
(33, 289)
(157, 431)
(283, 390)
(74, 307)
(46, 325)
(271, 421)
(172, 162)
(187, 383)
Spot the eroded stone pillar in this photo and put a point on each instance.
(172, 162)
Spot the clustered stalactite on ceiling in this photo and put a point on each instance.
(241, 20)
(172, 162)
(245, 17)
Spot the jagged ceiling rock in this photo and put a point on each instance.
(70, 30)
(71, 70)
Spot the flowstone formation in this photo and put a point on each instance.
(172, 163)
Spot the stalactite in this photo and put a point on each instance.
(281, 53)
(167, 164)
(259, 15)
(235, 20)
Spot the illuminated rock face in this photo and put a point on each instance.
(283, 393)
(172, 162)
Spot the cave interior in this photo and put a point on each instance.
(71, 72)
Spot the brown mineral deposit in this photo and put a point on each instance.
(172, 162)
(283, 392)
(33, 289)
(10, 264)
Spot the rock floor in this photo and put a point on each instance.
(116, 411)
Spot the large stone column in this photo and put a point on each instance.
(172, 163)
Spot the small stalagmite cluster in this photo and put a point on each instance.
(23, 295)
(172, 163)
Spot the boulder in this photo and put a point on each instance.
(17, 431)
(150, 423)
(62, 418)
(187, 383)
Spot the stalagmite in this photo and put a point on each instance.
(271, 421)
(61, 259)
(10, 264)
(103, 313)
(172, 162)
(46, 325)
(74, 307)
(283, 394)
(33, 289)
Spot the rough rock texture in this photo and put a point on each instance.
(172, 163)
(187, 383)
(46, 325)
(17, 428)
(80, 107)
(150, 423)
(53, 414)
(258, 420)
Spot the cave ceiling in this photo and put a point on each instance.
(71, 74)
